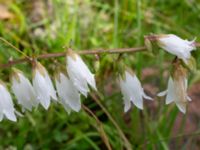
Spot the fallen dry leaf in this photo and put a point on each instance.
(4, 13)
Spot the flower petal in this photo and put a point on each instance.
(163, 93)
(181, 106)
(68, 94)
(171, 96)
(50, 85)
(189, 98)
(1, 116)
(127, 104)
(67, 108)
(138, 102)
(41, 89)
(6, 104)
(146, 96)
(9, 113)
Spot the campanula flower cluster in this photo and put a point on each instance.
(77, 80)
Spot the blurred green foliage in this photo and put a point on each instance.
(38, 27)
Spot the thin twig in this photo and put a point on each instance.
(82, 52)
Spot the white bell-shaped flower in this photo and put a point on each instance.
(132, 91)
(23, 90)
(176, 46)
(6, 105)
(176, 92)
(43, 85)
(79, 73)
(177, 89)
(67, 92)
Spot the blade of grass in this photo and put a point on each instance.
(126, 141)
(99, 127)
(116, 22)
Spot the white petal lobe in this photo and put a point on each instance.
(163, 93)
(171, 96)
(146, 96)
(127, 105)
(181, 106)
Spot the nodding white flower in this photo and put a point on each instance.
(176, 46)
(23, 90)
(177, 89)
(43, 85)
(6, 105)
(79, 73)
(132, 91)
(67, 92)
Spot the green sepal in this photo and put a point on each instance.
(119, 68)
(15, 74)
(196, 77)
(58, 70)
(96, 65)
(148, 45)
(191, 64)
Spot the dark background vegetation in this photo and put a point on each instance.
(44, 26)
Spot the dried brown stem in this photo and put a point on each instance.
(83, 52)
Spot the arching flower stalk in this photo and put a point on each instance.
(132, 91)
(177, 88)
(176, 46)
(43, 85)
(67, 92)
(79, 73)
(6, 105)
(23, 90)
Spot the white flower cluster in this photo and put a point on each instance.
(42, 91)
(177, 85)
(77, 79)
